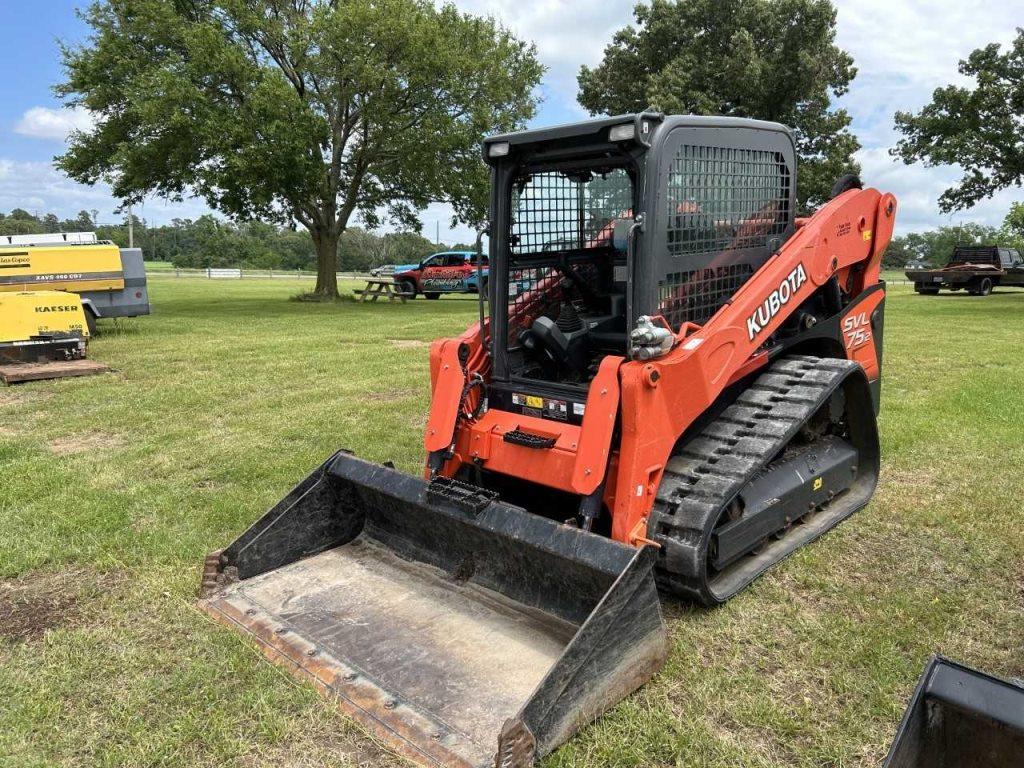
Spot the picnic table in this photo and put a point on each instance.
(376, 288)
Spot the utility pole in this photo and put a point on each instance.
(131, 228)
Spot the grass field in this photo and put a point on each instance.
(113, 488)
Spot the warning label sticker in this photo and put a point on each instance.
(550, 408)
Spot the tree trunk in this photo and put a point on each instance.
(326, 264)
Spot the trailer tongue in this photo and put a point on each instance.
(461, 630)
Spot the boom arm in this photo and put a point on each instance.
(663, 398)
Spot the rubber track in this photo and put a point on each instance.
(707, 473)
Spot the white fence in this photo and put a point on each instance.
(244, 273)
(224, 274)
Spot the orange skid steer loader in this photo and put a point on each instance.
(675, 387)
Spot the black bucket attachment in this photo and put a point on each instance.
(960, 718)
(460, 630)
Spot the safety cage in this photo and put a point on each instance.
(726, 203)
(564, 273)
(717, 196)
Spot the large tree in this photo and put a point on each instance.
(979, 128)
(767, 59)
(299, 111)
(1013, 224)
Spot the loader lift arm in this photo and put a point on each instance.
(662, 399)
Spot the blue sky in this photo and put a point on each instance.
(904, 49)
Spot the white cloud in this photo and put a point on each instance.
(903, 49)
(53, 124)
(903, 52)
(918, 190)
(40, 188)
(567, 34)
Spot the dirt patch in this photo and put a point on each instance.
(85, 441)
(32, 604)
(408, 343)
(8, 431)
(922, 477)
(919, 487)
(7, 397)
(394, 395)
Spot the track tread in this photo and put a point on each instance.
(712, 467)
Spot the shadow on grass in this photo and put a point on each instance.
(310, 297)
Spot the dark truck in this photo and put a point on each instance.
(976, 268)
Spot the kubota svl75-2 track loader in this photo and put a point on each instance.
(676, 385)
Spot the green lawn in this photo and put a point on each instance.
(113, 489)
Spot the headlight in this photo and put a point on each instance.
(625, 132)
(498, 149)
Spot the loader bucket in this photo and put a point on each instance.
(960, 718)
(458, 629)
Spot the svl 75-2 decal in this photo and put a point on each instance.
(856, 330)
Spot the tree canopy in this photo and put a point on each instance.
(979, 128)
(296, 111)
(1013, 224)
(767, 59)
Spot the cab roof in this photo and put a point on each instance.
(596, 131)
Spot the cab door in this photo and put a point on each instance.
(1014, 272)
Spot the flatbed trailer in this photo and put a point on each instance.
(976, 269)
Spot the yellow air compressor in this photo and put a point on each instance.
(42, 326)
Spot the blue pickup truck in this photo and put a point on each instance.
(444, 272)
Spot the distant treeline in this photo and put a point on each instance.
(935, 247)
(211, 242)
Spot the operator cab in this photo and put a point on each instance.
(597, 224)
(567, 281)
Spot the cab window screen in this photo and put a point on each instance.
(726, 206)
(725, 198)
(556, 211)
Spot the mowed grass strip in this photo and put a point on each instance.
(114, 487)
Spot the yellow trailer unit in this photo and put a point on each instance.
(76, 268)
(42, 326)
(110, 280)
